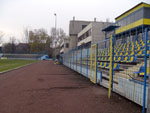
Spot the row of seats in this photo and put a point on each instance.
(128, 59)
(126, 52)
(130, 46)
(129, 53)
(106, 65)
(137, 49)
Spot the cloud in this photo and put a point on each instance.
(18, 14)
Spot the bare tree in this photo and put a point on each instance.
(60, 35)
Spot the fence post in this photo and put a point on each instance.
(66, 59)
(76, 57)
(148, 100)
(110, 70)
(81, 62)
(96, 61)
(101, 76)
(73, 59)
(113, 43)
(70, 59)
(145, 72)
(87, 61)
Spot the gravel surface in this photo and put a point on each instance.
(44, 87)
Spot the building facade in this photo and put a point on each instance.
(75, 27)
(133, 22)
(65, 46)
(92, 33)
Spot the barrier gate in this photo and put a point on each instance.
(93, 65)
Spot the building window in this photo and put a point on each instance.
(146, 13)
(90, 32)
(83, 26)
(67, 45)
(62, 46)
(87, 34)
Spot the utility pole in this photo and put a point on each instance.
(55, 34)
(55, 28)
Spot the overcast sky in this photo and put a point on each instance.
(15, 15)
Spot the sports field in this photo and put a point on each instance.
(6, 64)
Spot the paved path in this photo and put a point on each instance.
(47, 88)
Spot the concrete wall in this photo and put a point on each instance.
(76, 30)
(75, 26)
(87, 28)
(86, 40)
(97, 33)
(73, 42)
(65, 42)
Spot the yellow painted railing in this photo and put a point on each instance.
(93, 58)
(110, 70)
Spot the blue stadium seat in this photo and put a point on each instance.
(126, 53)
(126, 59)
(116, 66)
(108, 66)
(133, 53)
(143, 53)
(115, 58)
(100, 64)
(141, 71)
(98, 58)
(104, 65)
(120, 58)
(131, 59)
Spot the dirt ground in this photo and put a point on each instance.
(47, 88)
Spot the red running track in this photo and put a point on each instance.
(44, 87)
